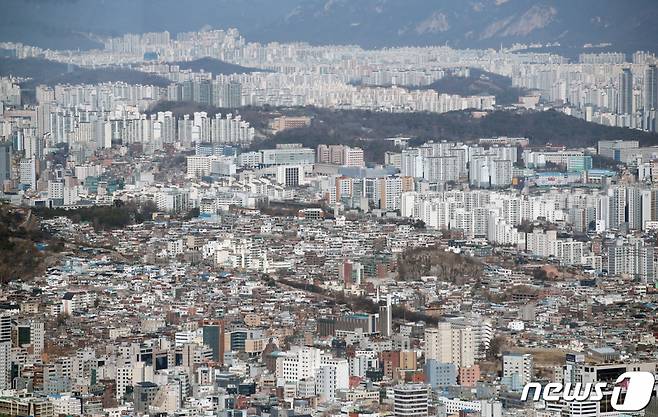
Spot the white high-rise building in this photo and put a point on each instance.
(230, 130)
(390, 191)
(332, 375)
(481, 328)
(5, 365)
(363, 361)
(28, 173)
(411, 163)
(5, 327)
(540, 243)
(520, 364)
(124, 379)
(5, 351)
(290, 175)
(632, 257)
(199, 166)
(479, 171)
(450, 344)
(501, 172)
(568, 251)
(37, 336)
(299, 363)
(440, 169)
(386, 318)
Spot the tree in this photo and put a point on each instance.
(496, 347)
(191, 214)
(447, 266)
(61, 319)
(146, 210)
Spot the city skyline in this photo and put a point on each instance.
(315, 208)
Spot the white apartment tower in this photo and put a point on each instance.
(450, 344)
(520, 364)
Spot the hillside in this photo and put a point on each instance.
(366, 129)
(479, 82)
(214, 66)
(43, 71)
(19, 256)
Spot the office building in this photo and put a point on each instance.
(213, 337)
(299, 363)
(290, 175)
(410, 400)
(440, 375)
(144, 395)
(288, 154)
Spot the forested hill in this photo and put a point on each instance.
(364, 128)
(43, 71)
(368, 129)
(214, 66)
(19, 233)
(480, 82)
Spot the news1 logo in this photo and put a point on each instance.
(638, 387)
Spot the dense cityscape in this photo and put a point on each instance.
(196, 224)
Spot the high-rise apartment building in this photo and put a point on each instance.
(448, 343)
(632, 257)
(625, 104)
(5, 351)
(650, 88)
(386, 317)
(519, 364)
(340, 155)
(5, 161)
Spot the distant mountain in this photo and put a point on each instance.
(471, 23)
(627, 25)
